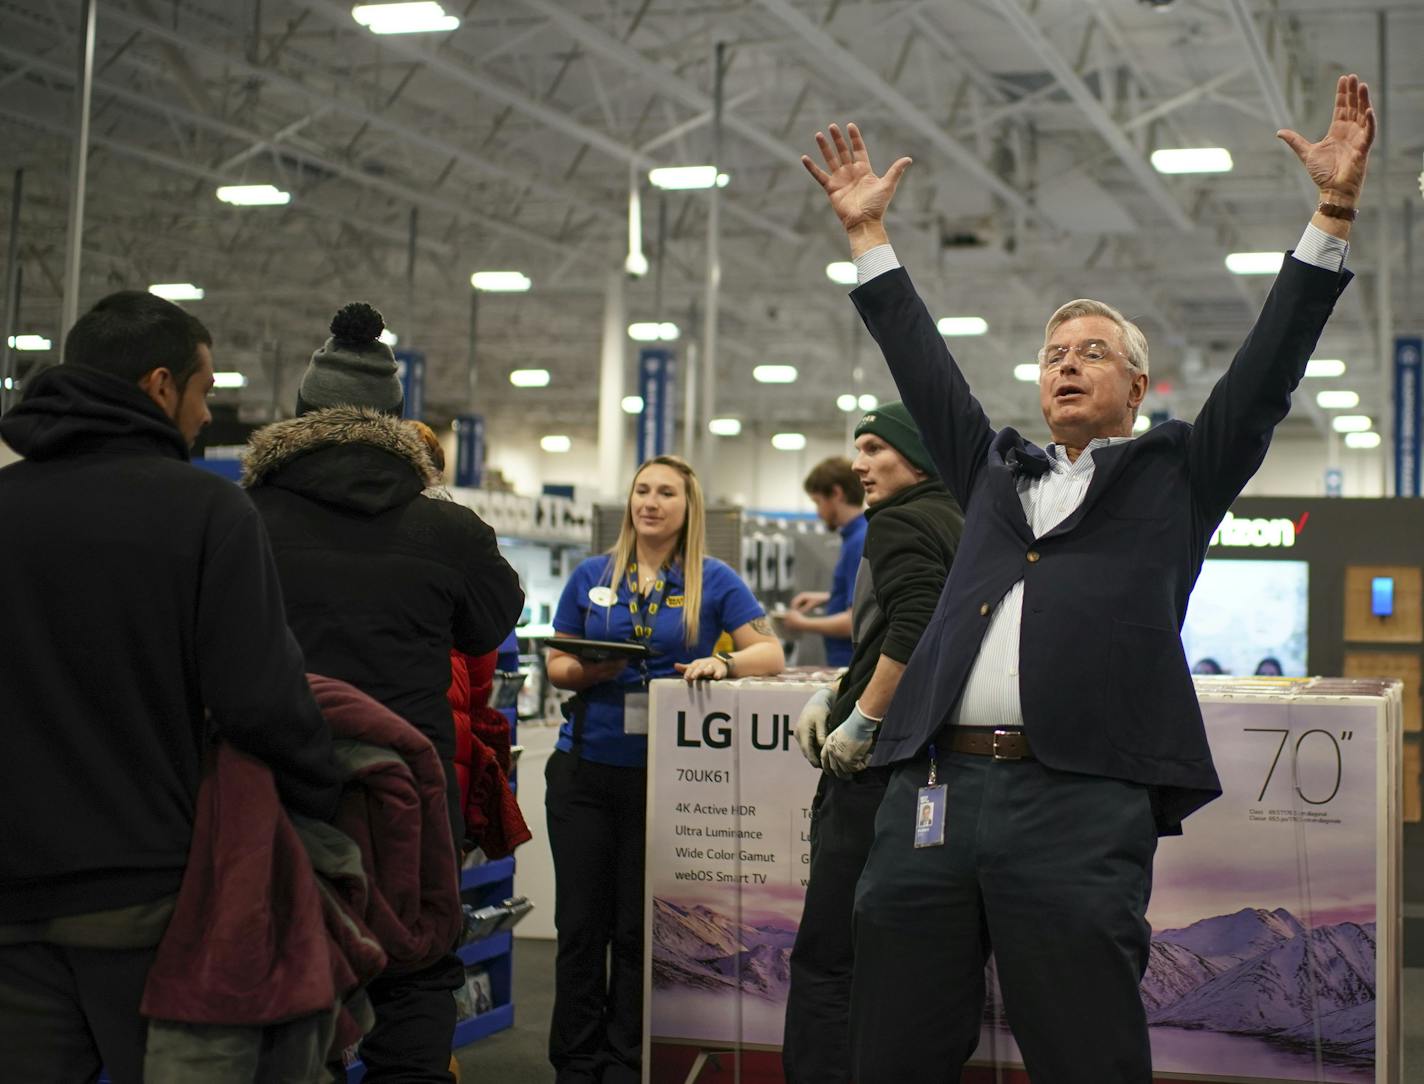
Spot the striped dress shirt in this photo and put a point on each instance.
(991, 693)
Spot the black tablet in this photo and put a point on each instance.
(599, 650)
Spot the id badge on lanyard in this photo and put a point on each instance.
(635, 701)
(635, 712)
(930, 810)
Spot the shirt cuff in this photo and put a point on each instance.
(1317, 248)
(877, 261)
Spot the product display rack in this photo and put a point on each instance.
(479, 887)
(482, 886)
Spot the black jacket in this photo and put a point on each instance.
(1103, 679)
(909, 544)
(139, 591)
(380, 581)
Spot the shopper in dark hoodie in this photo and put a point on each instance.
(379, 583)
(912, 531)
(143, 618)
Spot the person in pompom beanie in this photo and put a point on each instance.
(379, 584)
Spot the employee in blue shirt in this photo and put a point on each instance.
(656, 587)
(836, 492)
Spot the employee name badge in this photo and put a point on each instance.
(635, 712)
(929, 811)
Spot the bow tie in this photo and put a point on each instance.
(1028, 461)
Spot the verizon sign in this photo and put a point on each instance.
(1258, 533)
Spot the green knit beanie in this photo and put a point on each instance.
(892, 423)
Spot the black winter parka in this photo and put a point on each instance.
(380, 581)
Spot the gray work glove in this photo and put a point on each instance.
(811, 725)
(847, 750)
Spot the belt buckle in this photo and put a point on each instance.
(1004, 756)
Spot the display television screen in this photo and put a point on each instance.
(1249, 617)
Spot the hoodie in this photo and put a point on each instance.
(143, 615)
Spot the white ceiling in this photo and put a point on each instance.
(514, 138)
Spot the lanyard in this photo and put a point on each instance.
(643, 633)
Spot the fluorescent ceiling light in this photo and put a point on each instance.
(846, 402)
(841, 272)
(1027, 372)
(1192, 160)
(962, 325)
(645, 331)
(254, 195)
(1254, 263)
(29, 342)
(501, 282)
(867, 402)
(789, 442)
(1337, 399)
(556, 443)
(632, 404)
(529, 378)
(229, 380)
(410, 18)
(177, 291)
(774, 374)
(1362, 440)
(724, 427)
(682, 178)
(1351, 423)
(389, 337)
(1141, 423)
(1325, 367)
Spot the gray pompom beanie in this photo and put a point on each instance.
(353, 367)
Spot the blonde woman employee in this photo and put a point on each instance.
(656, 587)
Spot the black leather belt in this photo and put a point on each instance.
(984, 742)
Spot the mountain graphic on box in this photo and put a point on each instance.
(1263, 973)
(702, 949)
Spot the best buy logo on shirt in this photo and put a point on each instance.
(674, 601)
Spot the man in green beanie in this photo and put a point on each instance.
(913, 529)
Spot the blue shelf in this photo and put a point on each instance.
(487, 1023)
(501, 869)
(486, 948)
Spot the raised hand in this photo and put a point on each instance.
(857, 195)
(1337, 163)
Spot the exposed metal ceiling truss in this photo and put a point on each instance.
(510, 143)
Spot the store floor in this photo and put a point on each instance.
(519, 1055)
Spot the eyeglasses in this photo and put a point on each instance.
(1090, 351)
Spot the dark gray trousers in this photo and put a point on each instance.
(1050, 871)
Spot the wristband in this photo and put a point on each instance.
(1338, 210)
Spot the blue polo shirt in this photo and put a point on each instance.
(727, 604)
(838, 651)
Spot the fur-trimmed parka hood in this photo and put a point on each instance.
(350, 456)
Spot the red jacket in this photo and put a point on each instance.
(256, 938)
(493, 821)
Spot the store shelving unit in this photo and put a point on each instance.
(479, 887)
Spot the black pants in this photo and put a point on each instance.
(1049, 870)
(596, 815)
(415, 1025)
(816, 1045)
(64, 1012)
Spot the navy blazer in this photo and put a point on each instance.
(1103, 680)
